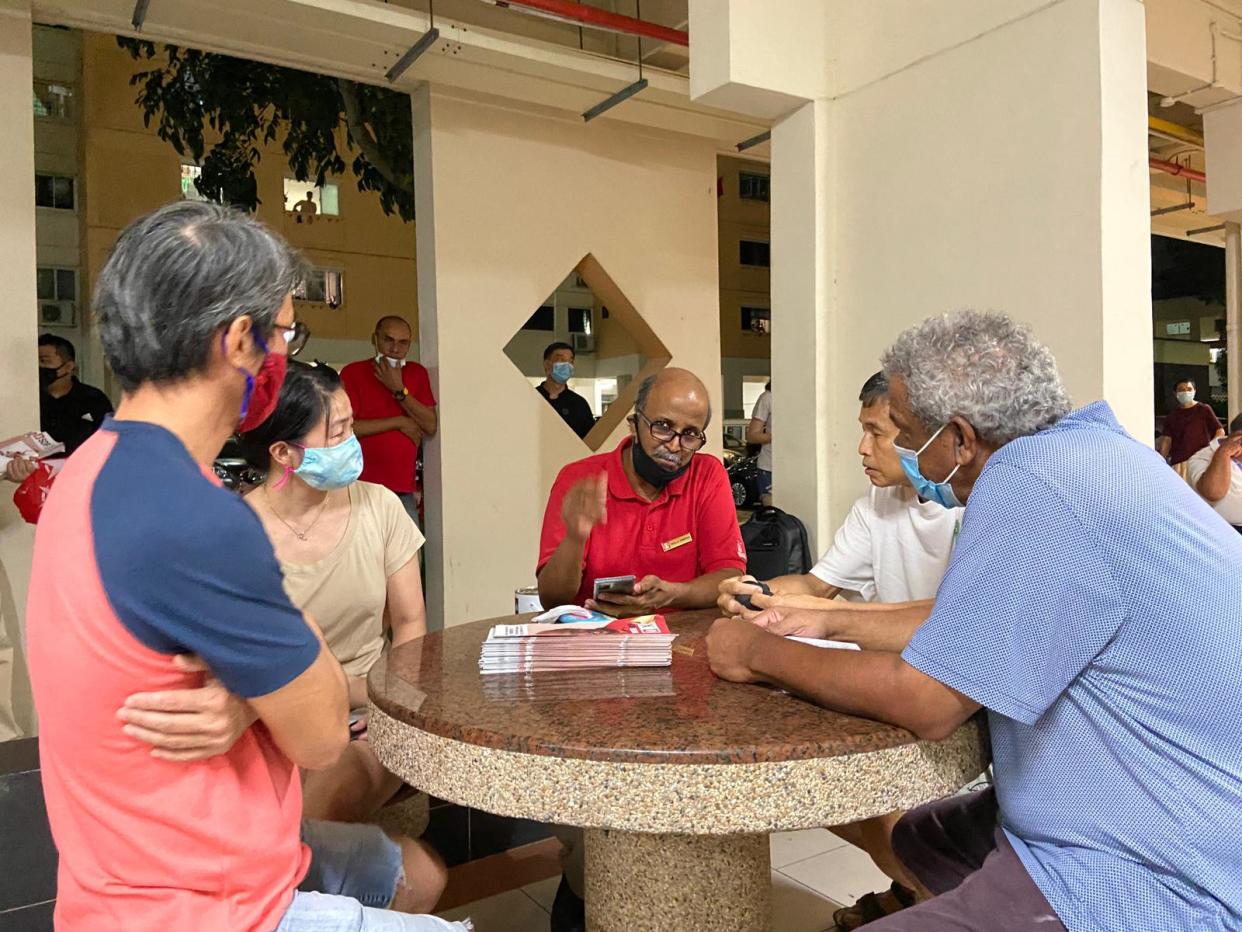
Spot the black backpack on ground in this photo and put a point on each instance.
(776, 544)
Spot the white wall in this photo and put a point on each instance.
(984, 154)
(509, 200)
(19, 405)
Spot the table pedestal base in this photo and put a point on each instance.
(690, 883)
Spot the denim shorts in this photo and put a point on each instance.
(357, 861)
(353, 875)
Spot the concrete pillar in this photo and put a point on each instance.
(985, 155)
(19, 403)
(1233, 316)
(811, 428)
(509, 200)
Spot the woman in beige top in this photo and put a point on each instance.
(348, 551)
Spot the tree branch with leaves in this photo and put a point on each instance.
(243, 105)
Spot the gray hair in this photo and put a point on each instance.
(983, 367)
(176, 277)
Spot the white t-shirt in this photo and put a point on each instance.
(892, 547)
(763, 411)
(1229, 507)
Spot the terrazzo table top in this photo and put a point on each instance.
(678, 715)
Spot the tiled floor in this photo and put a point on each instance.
(812, 872)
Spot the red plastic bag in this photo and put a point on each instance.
(32, 493)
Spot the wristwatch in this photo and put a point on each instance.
(401, 395)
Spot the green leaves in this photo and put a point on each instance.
(221, 111)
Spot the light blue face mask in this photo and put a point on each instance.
(939, 492)
(328, 468)
(562, 372)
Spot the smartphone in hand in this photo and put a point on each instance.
(622, 585)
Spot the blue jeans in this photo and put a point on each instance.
(353, 875)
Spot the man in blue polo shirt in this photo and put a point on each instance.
(1092, 607)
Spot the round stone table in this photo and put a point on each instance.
(677, 776)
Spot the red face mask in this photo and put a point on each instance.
(262, 389)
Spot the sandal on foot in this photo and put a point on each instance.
(873, 906)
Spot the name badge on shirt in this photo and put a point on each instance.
(677, 542)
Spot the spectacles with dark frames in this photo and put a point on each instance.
(691, 438)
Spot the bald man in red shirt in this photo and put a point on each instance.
(651, 509)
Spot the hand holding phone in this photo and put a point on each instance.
(622, 585)
(743, 599)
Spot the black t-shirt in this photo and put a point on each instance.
(72, 418)
(572, 408)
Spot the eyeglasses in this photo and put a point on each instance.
(691, 438)
(295, 337)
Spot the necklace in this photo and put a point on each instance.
(300, 535)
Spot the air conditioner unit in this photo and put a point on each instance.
(57, 314)
(582, 342)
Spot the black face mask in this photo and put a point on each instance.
(650, 471)
(48, 375)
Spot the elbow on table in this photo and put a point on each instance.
(934, 729)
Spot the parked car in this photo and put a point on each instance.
(744, 480)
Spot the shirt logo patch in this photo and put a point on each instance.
(677, 542)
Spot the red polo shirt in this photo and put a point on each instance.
(388, 458)
(690, 529)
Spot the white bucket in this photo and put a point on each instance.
(526, 600)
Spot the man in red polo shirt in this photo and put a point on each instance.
(394, 408)
(651, 509)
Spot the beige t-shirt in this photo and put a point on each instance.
(347, 590)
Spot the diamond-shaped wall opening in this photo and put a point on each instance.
(613, 350)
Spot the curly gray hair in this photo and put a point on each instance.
(982, 366)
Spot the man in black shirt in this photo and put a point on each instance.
(68, 410)
(558, 369)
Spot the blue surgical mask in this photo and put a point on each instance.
(939, 492)
(562, 372)
(328, 468)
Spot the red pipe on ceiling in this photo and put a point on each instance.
(1172, 168)
(584, 15)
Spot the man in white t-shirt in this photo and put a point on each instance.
(1215, 472)
(759, 431)
(893, 549)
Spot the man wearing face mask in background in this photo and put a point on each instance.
(395, 411)
(558, 369)
(1188, 428)
(68, 409)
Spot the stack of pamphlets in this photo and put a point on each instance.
(582, 640)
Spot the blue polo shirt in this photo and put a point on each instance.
(1094, 607)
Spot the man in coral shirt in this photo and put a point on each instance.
(160, 823)
(395, 411)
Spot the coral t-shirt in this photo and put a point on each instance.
(139, 557)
